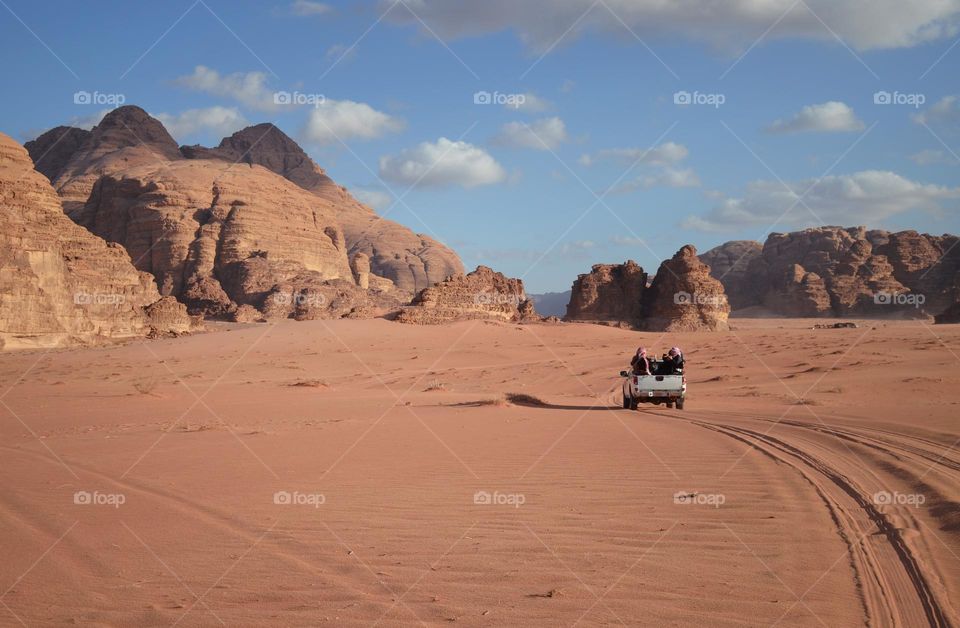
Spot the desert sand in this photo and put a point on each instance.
(758, 505)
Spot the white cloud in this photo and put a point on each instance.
(927, 157)
(340, 52)
(864, 198)
(619, 240)
(221, 121)
(247, 88)
(306, 7)
(576, 247)
(828, 117)
(444, 162)
(544, 134)
(530, 103)
(375, 198)
(945, 111)
(664, 178)
(336, 120)
(666, 154)
(730, 25)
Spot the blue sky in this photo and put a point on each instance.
(599, 163)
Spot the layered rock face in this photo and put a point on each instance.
(52, 150)
(482, 294)
(611, 293)
(218, 235)
(835, 271)
(682, 297)
(149, 194)
(411, 261)
(126, 138)
(685, 297)
(729, 263)
(59, 284)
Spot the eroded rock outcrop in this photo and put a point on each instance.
(126, 138)
(59, 284)
(411, 261)
(729, 263)
(951, 315)
(685, 297)
(217, 235)
(482, 294)
(682, 297)
(609, 293)
(835, 271)
(52, 150)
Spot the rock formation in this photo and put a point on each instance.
(411, 261)
(685, 297)
(59, 284)
(682, 297)
(482, 294)
(610, 293)
(729, 263)
(218, 228)
(835, 271)
(52, 150)
(949, 315)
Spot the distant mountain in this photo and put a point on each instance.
(551, 303)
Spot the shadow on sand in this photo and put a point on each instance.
(529, 401)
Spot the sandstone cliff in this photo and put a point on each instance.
(411, 261)
(59, 284)
(611, 293)
(482, 294)
(729, 263)
(835, 271)
(219, 229)
(684, 297)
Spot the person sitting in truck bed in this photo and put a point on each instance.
(640, 363)
(674, 361)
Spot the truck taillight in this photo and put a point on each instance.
(636, 380)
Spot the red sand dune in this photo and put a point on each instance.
(755, 506)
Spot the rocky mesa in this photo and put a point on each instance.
(837, 271)
(60, 285)
(482, 294)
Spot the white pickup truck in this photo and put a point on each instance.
(655, 389)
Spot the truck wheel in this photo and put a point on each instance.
(626, 402)
(633, 404)
(670, 404)
(679, 404)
